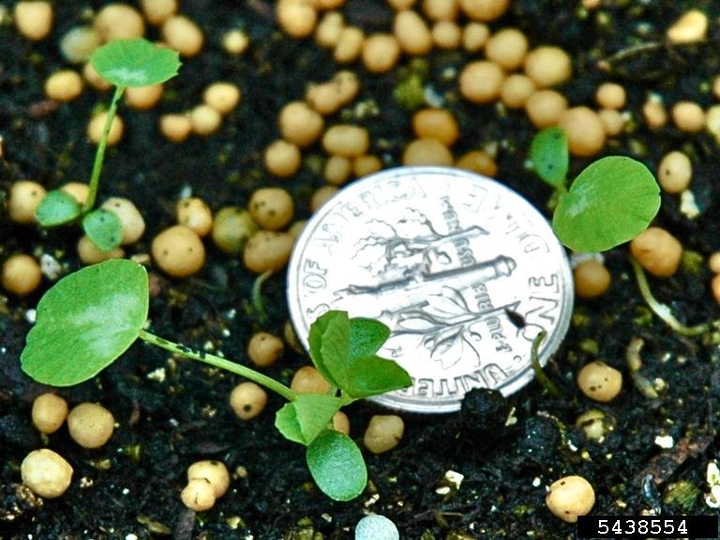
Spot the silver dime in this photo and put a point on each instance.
(463, 270)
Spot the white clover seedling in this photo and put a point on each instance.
(610, 202)
(77, 336)
(125, 63)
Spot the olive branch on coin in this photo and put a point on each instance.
(446, 322)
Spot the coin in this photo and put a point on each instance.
(464, 271)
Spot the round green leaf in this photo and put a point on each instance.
(84, 322)
(57, 208)
(612, 201)
(103, 228)
(549, 155)
(337, 465)
(135, 62)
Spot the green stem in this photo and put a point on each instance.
(629, 52)
(257, 299)
(662, 310)
(222, 363)
(557, 195)
(100, 154)
(543, 379)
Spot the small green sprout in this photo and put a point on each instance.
(123, 63)
(610, 202)
(91, 317)
(550, 157)
(547, 385)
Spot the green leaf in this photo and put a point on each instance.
(337, 465)
(549, 155)
(303, 419)
(329, 334)
(374, 375)
(103, 228)
(57, 208)
(612, 201)
(84, 322)
(135, 62)
(366, 337)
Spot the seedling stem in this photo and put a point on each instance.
(257, 299)
(222, 363)
(662, 310)
(100, 154)
(543, 379)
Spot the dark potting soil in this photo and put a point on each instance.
(172, 412)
